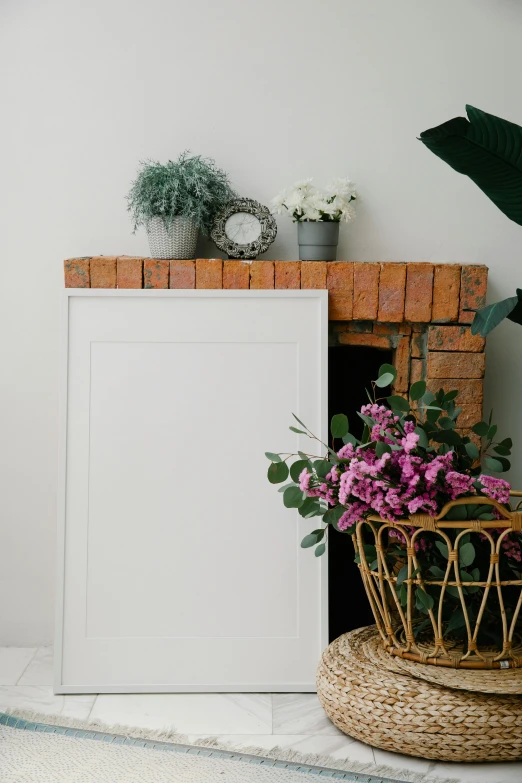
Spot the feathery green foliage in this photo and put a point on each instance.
(192, 186)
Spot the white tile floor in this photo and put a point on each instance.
(290, 720)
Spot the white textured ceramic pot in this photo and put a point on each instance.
(175, 241)
(317, 240)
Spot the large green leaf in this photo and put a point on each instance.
(489, 317)
(487, 149)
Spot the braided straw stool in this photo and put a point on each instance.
(396, 711)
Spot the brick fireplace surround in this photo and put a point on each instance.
(418, 310)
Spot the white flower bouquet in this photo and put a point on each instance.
(306, 203)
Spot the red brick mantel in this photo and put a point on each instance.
(419, 310)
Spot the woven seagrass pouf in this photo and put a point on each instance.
(396, 711)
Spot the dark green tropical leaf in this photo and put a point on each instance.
(488, 150)
(293, 497)
(339, 425)
(277, 472)
(450, 395)
(502, 450)
(488, 318)
(417, 390)
(507, 443)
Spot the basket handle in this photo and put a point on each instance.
(474, 500)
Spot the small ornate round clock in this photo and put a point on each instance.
(244, 228)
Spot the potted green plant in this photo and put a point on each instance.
(176, 200)
(488, 150)
(318, 214)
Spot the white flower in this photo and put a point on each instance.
(305, 202)
(348, 213)
(341, 186)
(303, 184)
(279, 203)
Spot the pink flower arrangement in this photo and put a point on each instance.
(412, 460)
(404, 480)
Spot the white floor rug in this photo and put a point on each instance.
(40, 749)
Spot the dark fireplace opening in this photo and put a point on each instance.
(350, 372)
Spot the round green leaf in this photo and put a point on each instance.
(381, 448)
(293, 497)
(495, 464)
(481, 428)
(322, 467)
(388, 368)
(397, 403)
(310, 506)
(425, 599)
(277, 472)
(310, 540)
(417, 390)
(320, 550)
(333, 515)
(445, 423)
(339, 425)
(296, 468)
(466, 554)
(472, 451)
(423, 438)
(384, 380)
(272, 457)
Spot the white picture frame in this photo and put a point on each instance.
(114, 344)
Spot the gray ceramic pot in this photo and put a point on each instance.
(317, 241)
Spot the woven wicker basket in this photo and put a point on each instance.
(177, 241)
(364, 697)
(397, 624)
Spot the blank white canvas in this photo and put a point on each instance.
(179, 567)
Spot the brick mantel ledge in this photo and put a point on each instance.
(421, 311)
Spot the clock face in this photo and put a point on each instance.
(243, 228)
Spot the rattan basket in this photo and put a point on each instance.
(397, 624)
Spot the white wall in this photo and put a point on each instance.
(275, 90)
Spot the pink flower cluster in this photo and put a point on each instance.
(400, 482)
